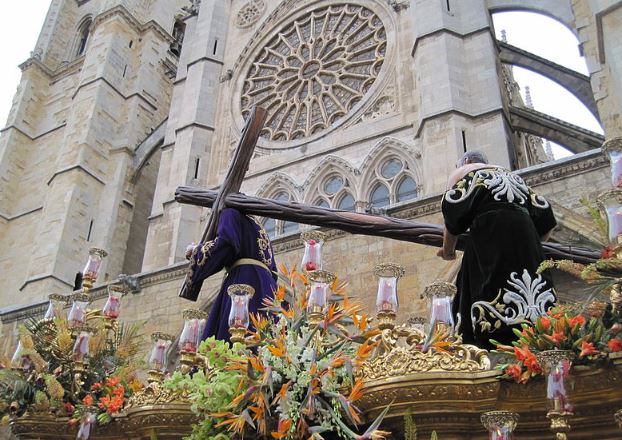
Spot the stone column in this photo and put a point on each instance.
(457, 83)
(189, 134)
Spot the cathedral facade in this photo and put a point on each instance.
(370, 103)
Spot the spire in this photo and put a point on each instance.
(504, 36)
(528, 101)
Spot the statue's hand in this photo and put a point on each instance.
(189, 250)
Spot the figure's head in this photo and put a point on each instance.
(473, 156)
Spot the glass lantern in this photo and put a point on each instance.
(77, 313)
(613, 149)
(387, 303)
(611, 203)
(20, 361)
(194, 323)
(556, 365)
(441, 317)
(86, 424)
(500, 424)
(81, 346)
(112, 308)
(317, 301)
(239, 318)
(93, 264)
(56, 306)
(312, 258)
(161, 344)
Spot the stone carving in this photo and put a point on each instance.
(250, 13)
(315, 70)
(385, 105)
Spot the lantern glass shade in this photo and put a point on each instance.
(93, 264)
(158, 357)
(312, 258)
(81, 346)
(610, 203)
(441, 318)
(112, 308)
(86, 424)
(77, 313)
(318, 294)
(240, 298)
(55, 307)
(615, 158)
(558, 383)
(386, 298)
(19, 359)
(191, 334)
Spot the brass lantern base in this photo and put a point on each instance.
(186, 361)
(237, 334)
(386, 320)
(560, 423)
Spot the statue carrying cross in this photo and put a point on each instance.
(212, 254)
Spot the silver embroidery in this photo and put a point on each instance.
(527, 303)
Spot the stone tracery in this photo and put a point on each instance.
(315, 70)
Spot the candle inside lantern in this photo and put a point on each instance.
(312, 258)
(77, 314)
(238, 315)
(81, 346)
(20, 360)
(386, 298)
(112, 308)
(157, 360)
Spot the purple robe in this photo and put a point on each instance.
(239, 236)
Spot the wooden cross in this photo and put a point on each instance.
(231, 184)
(357, 223)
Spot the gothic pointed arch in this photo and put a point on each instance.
(391, 173)
(83, 33)
(331, 182)
(279, 181)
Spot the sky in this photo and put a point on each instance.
(21, 21)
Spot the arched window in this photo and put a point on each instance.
(322, 203)
(275, 228)
(83, 36)
(380, 196)
(406, 189)
(394, 183)
(346, 202)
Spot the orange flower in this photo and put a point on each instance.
(514, 371)
(88, 400)
(587, 348)
(522, 352)
(614, 345)
(113, 381)
(284, 426)
(546, 322)
(96, 386)
(357, 391)
(558, 337)
(576, 320)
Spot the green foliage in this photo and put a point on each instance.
(598, 219)
(410, 428)
(212, 391)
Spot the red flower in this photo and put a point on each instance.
(113, 381)
(514, 371)
(522, 352)
(96, 386)
(615, 345)
(69, 408)
(579, 319)
(587, 348)
(546, 322)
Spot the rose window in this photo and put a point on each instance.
(315, 70)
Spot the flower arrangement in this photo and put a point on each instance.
(563, 328)
(294, 377)
(44, 377)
